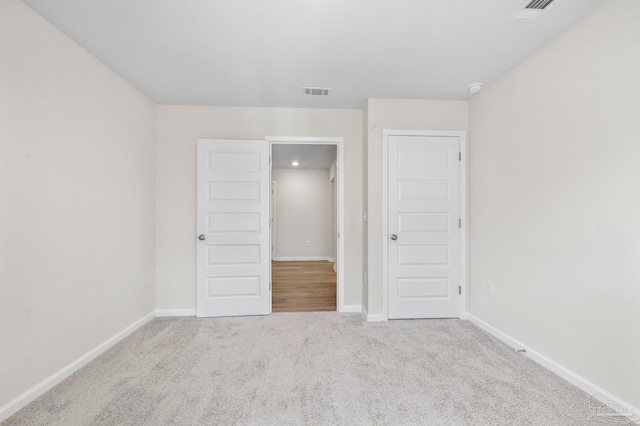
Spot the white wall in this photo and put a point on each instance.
(178, 127)
(303, 213)
(396, 114)
(77, 201)
(555, 205)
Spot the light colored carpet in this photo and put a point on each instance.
(309, 369)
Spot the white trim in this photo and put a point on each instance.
(22, 400)
(304, 140)
(372, 317)
(301, 259)
(339, 143)
(272, 213)
(175, 313)
(464, 231)
(570, 376)
(352, 309)
(331, 259)
(272, 232)
(376, 318)
(385, 223)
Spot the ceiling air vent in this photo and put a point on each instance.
(538, 4)
(531, 11)
(316, 91)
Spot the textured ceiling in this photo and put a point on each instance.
(261, 52)
(308, 156)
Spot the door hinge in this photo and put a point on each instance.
(459, 156)
(459, 223)
(459, 289)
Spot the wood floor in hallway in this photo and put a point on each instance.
(303, 286)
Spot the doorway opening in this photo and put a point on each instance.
(306, 221)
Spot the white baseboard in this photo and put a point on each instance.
(175, 313)
(32, 394)
(331, 259)
(578, 381)
(300, 259)
(351, 309)
(372, 317)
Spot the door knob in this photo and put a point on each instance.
(201, 237)
(394, 237)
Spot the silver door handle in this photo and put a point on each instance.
(394, 237)
(201, 237)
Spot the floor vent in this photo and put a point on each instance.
(316, 91)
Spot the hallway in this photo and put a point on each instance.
(303, 286)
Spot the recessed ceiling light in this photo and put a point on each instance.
(475, 87)
(294, 163)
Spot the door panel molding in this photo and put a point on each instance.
(434, 191)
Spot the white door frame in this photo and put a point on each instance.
(464, 237)
(272, 210)
(339, 143)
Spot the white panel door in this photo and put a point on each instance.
(423, 223)
(233, 265)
